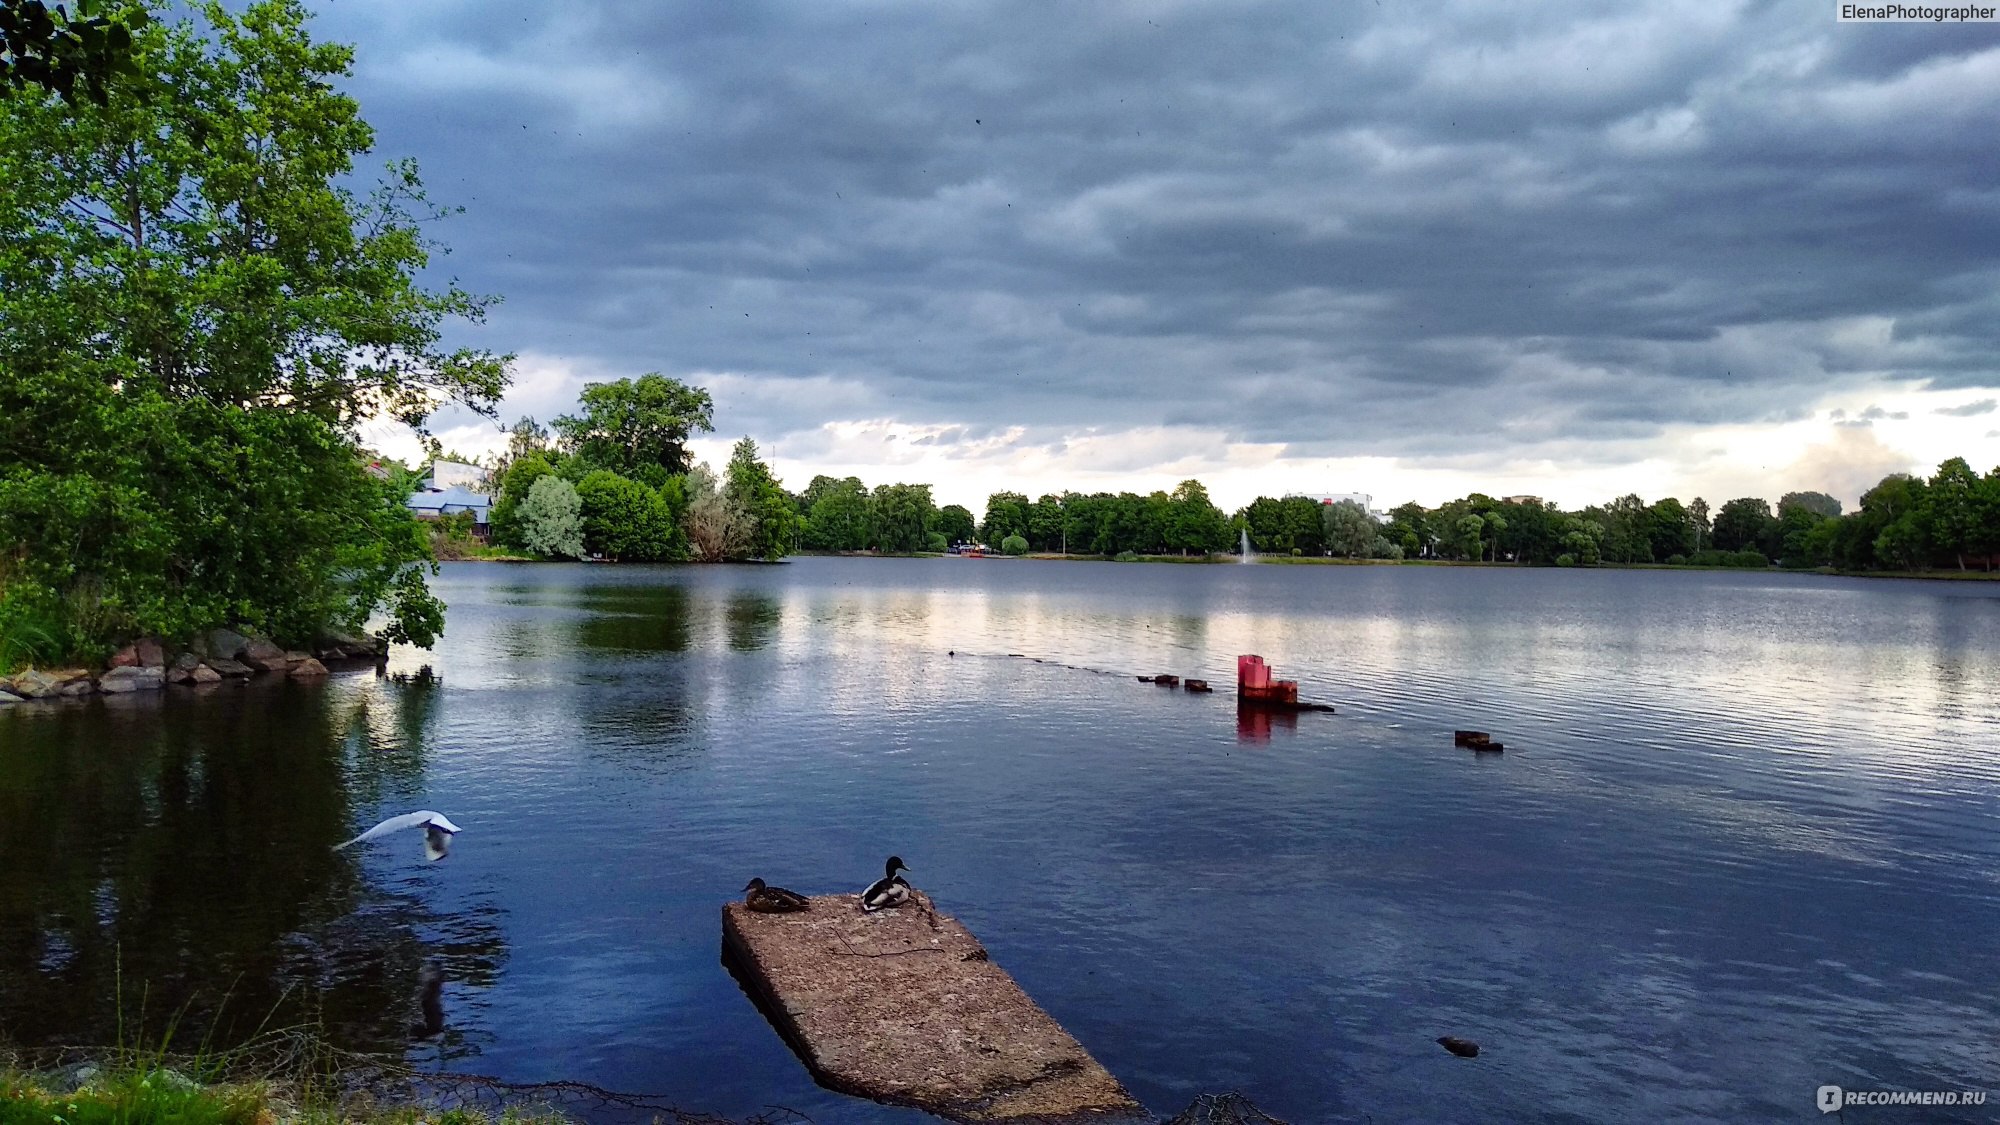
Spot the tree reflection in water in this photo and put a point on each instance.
(183, 845)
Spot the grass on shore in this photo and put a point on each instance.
(146, 1093)
(162, 1096)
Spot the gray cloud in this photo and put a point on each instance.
(1970, 409)
(1353, 230)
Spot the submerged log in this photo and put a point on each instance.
(906, 1007)
(1197, 685)
(1473, 738)
(1166, 680)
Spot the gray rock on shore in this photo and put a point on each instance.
(229, 668)
(222, 644)
(131, 678)
(40, 683)
(264, 656)
(8, 697)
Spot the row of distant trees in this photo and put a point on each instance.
(845, 515)
(615, 480)
(1951, 519)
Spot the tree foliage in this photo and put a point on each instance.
(637, 428)
(196, 310)
(60, 52)
(838, 514)
(625, 521)
(766, 510)
(902, 517)
(955, 523)
(551, 519)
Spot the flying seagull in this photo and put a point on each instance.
(438, 830)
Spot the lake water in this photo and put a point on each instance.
(1744, 840)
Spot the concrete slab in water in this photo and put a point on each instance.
(905, 1006)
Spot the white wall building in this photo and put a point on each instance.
(453, 474)
(1366, 501)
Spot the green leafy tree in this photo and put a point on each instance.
(756, 493)
(1006, 514)
(1193, 522)
(1627, 529)
(1671, 529)
(1269, 525)
(638, 428)
(551, 519)
(955, 523)
(196, 311)
(717, 528)
(1014, 545)
(837, 514)
(1698, 512)
(1818, 503)
(520, 476)
(1471, 531)
(1804, 535)
(1580, 541)
(1350, 531)
(1898, 497)
(1416, 521)
(59, 52)
(624, 520)
(903, 516)
(525, 438)
(1048, 524)
(1744, 522)
(1950, 510)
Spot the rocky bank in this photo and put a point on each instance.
(214, 657)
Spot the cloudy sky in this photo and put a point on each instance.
(1570, 249)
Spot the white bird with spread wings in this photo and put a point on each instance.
(438, 831)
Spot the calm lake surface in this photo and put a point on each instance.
(1744, 841)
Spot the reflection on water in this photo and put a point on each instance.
(1255, 724)
(1745, 839)
(186, 846)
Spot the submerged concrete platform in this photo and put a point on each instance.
(905, 1006)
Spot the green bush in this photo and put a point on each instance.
(1565, 560)
(1677, 560)
(937, 542)
(1126, 556)
(624, 519)
(1014, 545)
(31, 629)
(1749, 559)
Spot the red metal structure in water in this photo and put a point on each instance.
(1254, 683)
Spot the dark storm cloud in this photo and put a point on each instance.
(1354, 229)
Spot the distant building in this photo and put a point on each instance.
(1363, 499)
(1520, 500)
(453, 474)
(435, 504)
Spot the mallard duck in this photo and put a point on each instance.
(888, 891)
(772, 900)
